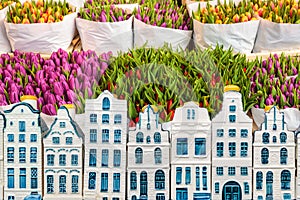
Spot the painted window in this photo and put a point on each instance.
(182, 146)
(33, 137)
(10, 154)
(116, 182)
(283, 137)
(200, 146)
(285, 180)
(33, 154)
(157, 138)
(104, 158)
(22, 178)
(159, 180)
(93, 135)
(259, 197)
(197, 178)
(178, 175)
(264, 156)
(181, 194)
(74, 160)
(232, 108)
(220, 171)
(244, 149)
(92, 180)
(105, 135)
(160, 196)
(220, 149)
(138, 156)
(265, 138)
(133, 197)
(244, 171)
(104, 182)
(148, 139)
(188, 114)
(220, 132)
(22, 126)
(55, 140)
(217, 187)
(231, 171)
(244, 133)
(62, 184)
(117, 136)
(105, 104)
(21, 137)
(274, 139)
(50, 159)
(187, 175)
(232, 149)
(22, 154)
(133, 181)
(69, 140)
(204, 177)
(34, 178)
(50, 184)
(193, 114)
(246, 187)
(10, 178)
(105, 119)
(259, 180)
(139, 137)
(144, 184)
(157, 156)
(62, 159)
(117, 158)
(62, 124)
(269, 182)
(10, 137)
(118, 119)
(283, 156)
(93, 158)
(286, 196)
(232, 118)
(74, 183)
(232, 132)
(93, 118)
(11, 197)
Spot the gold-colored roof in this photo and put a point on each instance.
(231, 88)
(155, 109)
(28, 97)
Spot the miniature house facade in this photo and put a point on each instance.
(63, 153)
(105, 126)
(1, 156)
(190, 153)
(231, 149)
(297, 133)
(274, 159)
(148, 168)
(22, 150)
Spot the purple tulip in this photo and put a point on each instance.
(58, 89)
(71, 95)
(28, 90)
(49, 109)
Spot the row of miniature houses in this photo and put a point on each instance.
(96, 156)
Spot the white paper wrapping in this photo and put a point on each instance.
(41, 37)
(105, 36)
(157, 36)
(239, 36)
(291, 117)
(277, 36)
(4, 43)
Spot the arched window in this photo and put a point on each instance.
(188, 114)
(133, 181)
(193, 114)
(133, 197)
(274, 139)
(285, 180)
(269, 183)
(259, 180)
(264, 156)
(157, 156)
(265, 138)
(159, 180)
(105, 104)
(283, 156)
(148, 139)
(144, 184)
(138, 155)
(283, 137)
(157, 137)
(139, 137)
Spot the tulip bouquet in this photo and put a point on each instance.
(63, 78)
(5, 3)
(109, 13)
(99, 3)
(38, 12)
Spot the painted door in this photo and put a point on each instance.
(182, 194)
(232, 191)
